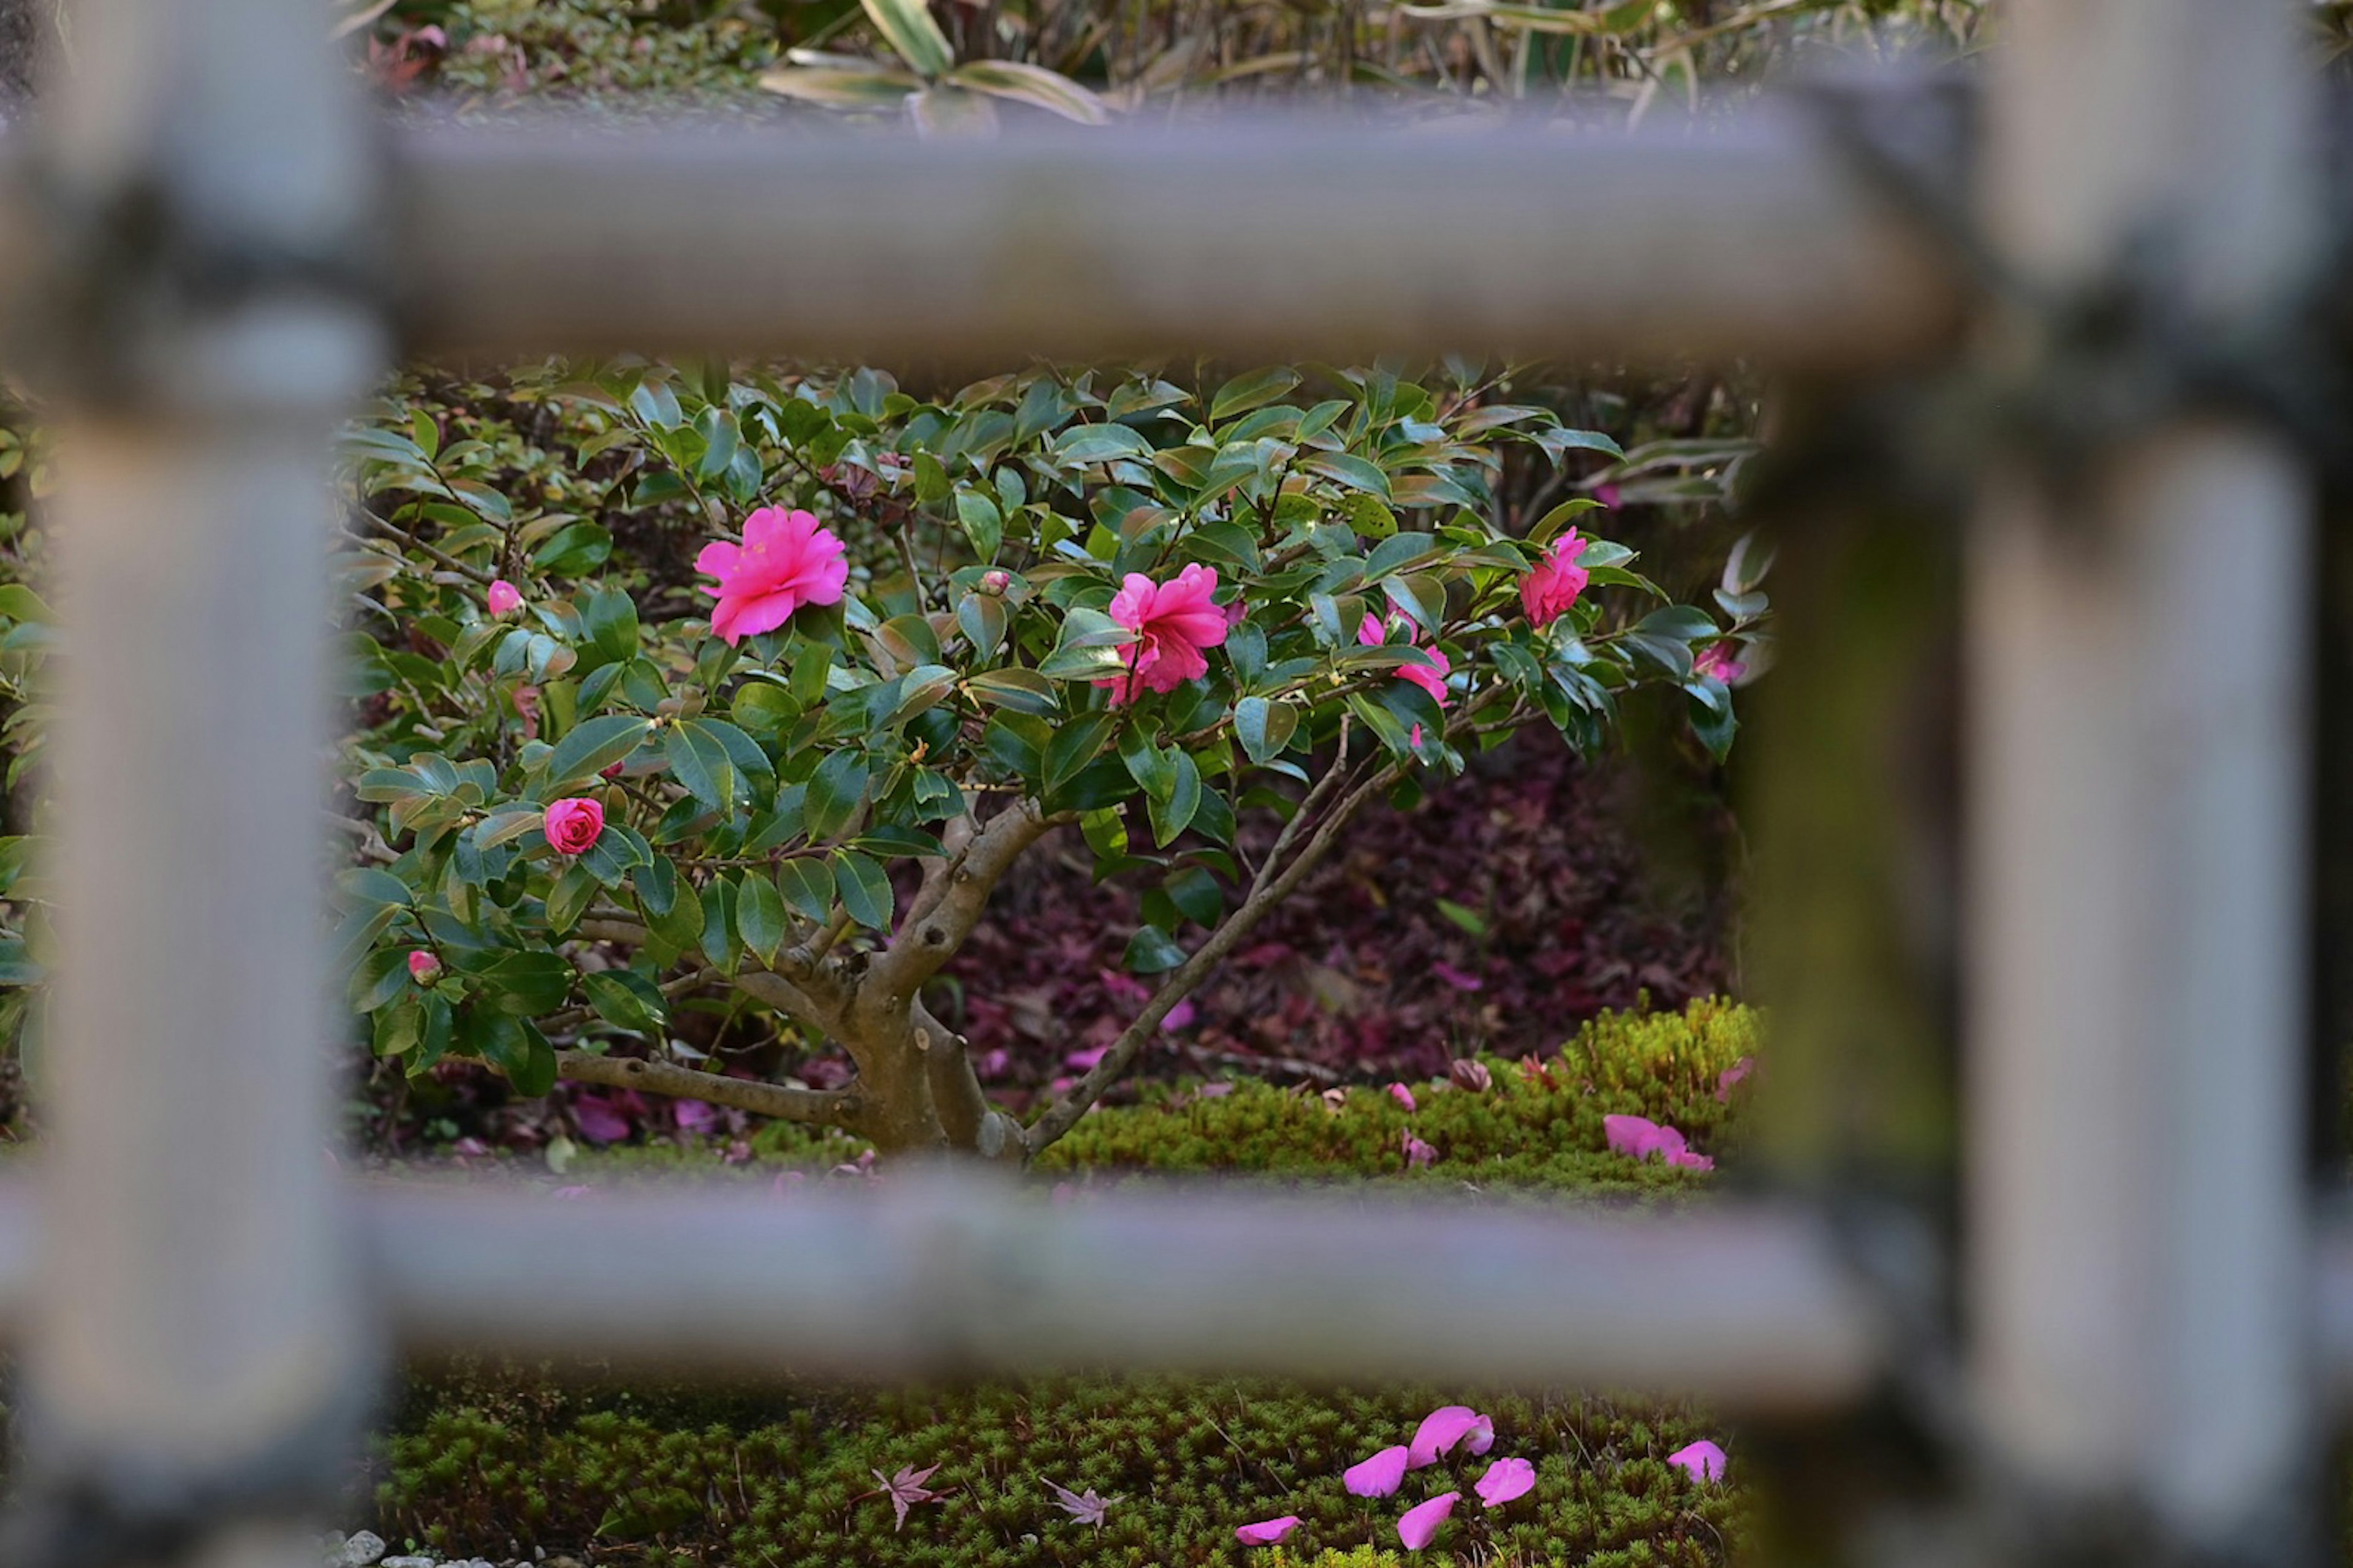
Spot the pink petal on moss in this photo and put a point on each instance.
(1439, 1431)
(1703, 1460)
(1403, 1096)
(1506, 1480)
(1629, 1133)
(1377, 1476)
(1420, 1525)
(1267, 1531)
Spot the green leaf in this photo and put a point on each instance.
(1245, 392)
(611, 619)
(1470, 920)
(681, 924)
(1195, 892)
(1152, 951)
(382, 977)
(527, 984)
(1032, 85)
(983, 524)
(591, 746)
(364, 886)
(1083, 444)
(1397, 552)
(18, 602)
(744, 753)
(700, 763)
(1346, 468)
(618, 1003)
(865, 888)
(760, 916)
(1264, 728)
(1075, 744)
(719, 934)
(878, 89)
(835, 791)
(807, 884)
(569, 899)
(398, 1027)
(983, 619)
(908, 27)
(575, 548)
(1172, 815)
(1685, 623)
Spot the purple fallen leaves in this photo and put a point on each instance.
(1084, 1507)
(906, 1489)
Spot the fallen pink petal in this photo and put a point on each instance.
(1267, 1531)
(1732, 1076)
(1690, 1159)
(1403, 1096)
(1180, 1017)
(1470, 1073)
(1460, 979)
(1505, 1480)
(1418, 1154)
(1440, 1430)
(1420, 1525)
(1379, 1476)
(1640, 1137)
(1480, 1437)
(1703, 1460)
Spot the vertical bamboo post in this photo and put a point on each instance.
(197, 1339)
(2138, 1229)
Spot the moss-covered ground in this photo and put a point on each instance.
(503, 1460)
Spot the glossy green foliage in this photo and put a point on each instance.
(755, 794)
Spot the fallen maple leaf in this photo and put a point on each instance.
(906, 1489)
(1084, 1507)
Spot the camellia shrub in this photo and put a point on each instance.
(754, 684)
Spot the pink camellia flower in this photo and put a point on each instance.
(1505, 1480)
(1717, 659)
(1267, 1531)
(1419, 1526)
(1174, 623)
(1403, 1096)
(1703, 1460)
(423, 967)
(1640, 1137)
(1431, 677)
(1444, 1427)
(1379, 1476)
(1549, 591)
(1732, 1076)
(1470, 1073)
(1418, 1154)
(574, 824)
(504, 598)
(784, 561)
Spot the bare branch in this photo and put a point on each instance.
(926, 942)
(1063, 1114)
(626, 931)
(439, 556)
(827, 1108)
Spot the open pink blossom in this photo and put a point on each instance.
(1267, 1531)
(1549, 591)
(503, 599)
(1431, 677)
(1174, 623)
(785, 561)
(1640, 1137)
(1717, 659)
(1441, 1429)
(1703, 1460)
(1377, 1476)
(1732, 1076)
(1419, 1526)
(1505, 1480)
(423, 967)
(1403, 1096)
(575, 824)
(1418, 1154)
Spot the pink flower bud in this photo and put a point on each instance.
(575, 824)
(996, 582)
(423, 967)
(504, 598)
